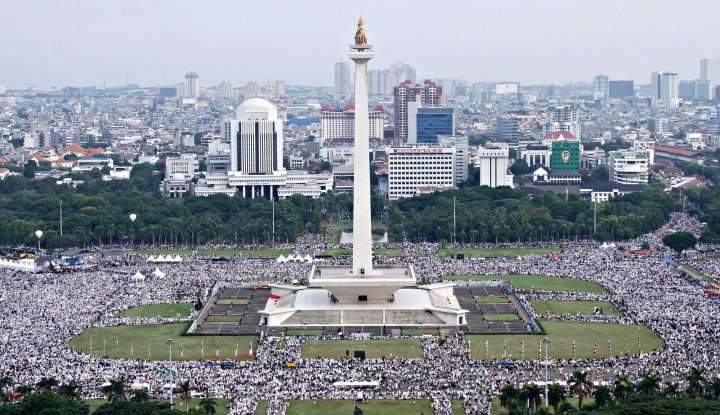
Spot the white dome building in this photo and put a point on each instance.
(256, 109)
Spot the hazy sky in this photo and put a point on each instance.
(91, 42)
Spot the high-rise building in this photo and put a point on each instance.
(601, 87)
(658, 126)
(665, 89)
(402, 72)
(420, 169)
(192, 85)
(339, 125)
(343, 82)
(425, 124)
(695, 89)
(492, 163)
(224, 89)
(429, 96)
(628, 167)
(705, 69)
(621, 89)
(563, 118)
(256, 144)
(461, 146)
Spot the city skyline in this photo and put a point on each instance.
(82, 42)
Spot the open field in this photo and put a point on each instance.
(419, 331)
(178, 404)
(159, 310)
(378, 407)
(336, 349)
(537, 282)
(336, 227)
(501, 317)
(561, 335)
(226, 253)
(304, 332)
(149, 342)
(573, 307)
(261, 408)
(491, 299)
(378, 251)
(494, 252)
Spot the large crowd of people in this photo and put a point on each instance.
(40, 313)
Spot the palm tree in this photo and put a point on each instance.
(140, 396)
(556, 396)
(580, 385)
(207, 406)
(184, 391)
(714, 388)
(602, 396)
(696, 382)
(543, 411)
(508, 394)
(671, 390)
(46, 384)
(532, 395)
(623, 388)
(70, 390)
(649, 384)
(115, 391)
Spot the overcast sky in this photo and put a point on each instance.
(151, 42)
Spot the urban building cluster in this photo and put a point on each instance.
(270, 140)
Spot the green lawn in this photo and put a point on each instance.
(179, 404)
(335, 349)
(303, 332)
(573, 307)
(419, 331)
(458, 407)
(261, 408)
(491, 299)
(376, 407)
(159, 310)
(231, 301)
(494, 252)
(697, 273)
(562, 334)
(501, 317)
(378, 251)
(149, 343)
(537, 282)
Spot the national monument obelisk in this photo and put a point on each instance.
(361, 53)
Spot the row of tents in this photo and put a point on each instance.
(292, 258)
(139, 276)
(164, 258)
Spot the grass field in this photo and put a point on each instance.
(491, 299)
(537, 282)
(335, 349)
(149, 343)
(573, 307)
(499, 410)
(378, 252)
(225, 253)
(501, 317)
(419, 331)
(378, 407)
(457, 407)
(261, 408)
(178, 404)
(561, 335)
(494, 252)
(230, 301)
(159, 310)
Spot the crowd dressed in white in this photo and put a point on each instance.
(40, 314)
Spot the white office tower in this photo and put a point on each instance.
(419, 169)
(256, 144)
(361, 53)
(628, 167)
(563, 118)
(492, 161)
(601, 87)
(192, 85)
(343, 81)
(460, 144)
(665, 89)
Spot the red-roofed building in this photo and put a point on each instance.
(677, 154)
(559, 135)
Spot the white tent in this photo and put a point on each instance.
(290, 258)
(308, 258)
(158, 273)
(177, 258)
(138, 277)
(281, 259)
(151, 258)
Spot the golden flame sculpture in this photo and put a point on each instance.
(361, 38)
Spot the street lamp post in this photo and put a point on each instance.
(172, 377)
(133, 217)
(38, 234)
(545, 342)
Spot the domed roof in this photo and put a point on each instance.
(178, 176)
(257, 108)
